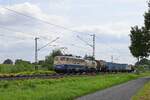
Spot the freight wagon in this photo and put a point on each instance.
(115, 67)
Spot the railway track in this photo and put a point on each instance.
(41, 76)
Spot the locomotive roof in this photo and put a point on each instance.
(71, 57)
(74, 57)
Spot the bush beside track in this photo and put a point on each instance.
(9, 68)
(66, 88)
(27, 73)
(19, 70)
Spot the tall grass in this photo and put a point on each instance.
(144, 93)
(59, 89)
(8, 68)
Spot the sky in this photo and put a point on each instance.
(110, 20)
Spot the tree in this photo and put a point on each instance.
(22, 65)
(20, 61)
(140, 38)
(56, 52)
(49, 60)
(41, 62)
(8, 61)
(138, 46)
(143, 61)
(147, 27)
(147, 18)
(87, 57)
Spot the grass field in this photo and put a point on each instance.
(59, 89)
(144, 93)
(19, 68)
(37, 72)
(8, 68)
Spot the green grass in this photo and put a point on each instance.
(37, 72)
(144, 93)
(19, 68)
(60, 89)
(8, 68)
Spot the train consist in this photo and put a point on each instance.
(67, 64)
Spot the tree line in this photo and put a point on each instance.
(46, 64)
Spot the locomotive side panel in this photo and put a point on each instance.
(72, 64)
(59, 60)
(91, 64)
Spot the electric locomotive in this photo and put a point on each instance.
(67, 64)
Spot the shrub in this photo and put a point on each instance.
(7, 68)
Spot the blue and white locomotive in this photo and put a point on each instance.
(67, 64)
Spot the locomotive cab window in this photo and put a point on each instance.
(67, 59)
(62, 58)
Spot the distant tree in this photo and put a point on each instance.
(87, 57)
(143, 61)
(23, 65)
(41, 62)
(8, 61)
(49, 60)
(20, 61)
(56, 52)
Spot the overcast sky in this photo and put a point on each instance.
(110, 20)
